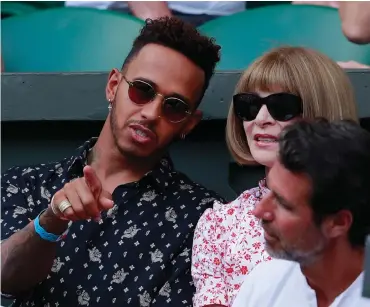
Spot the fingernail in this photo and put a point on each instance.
(111, 202)
(98, 218)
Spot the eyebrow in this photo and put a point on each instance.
(176, 95)
(145, 80)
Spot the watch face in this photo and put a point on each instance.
(366, 285)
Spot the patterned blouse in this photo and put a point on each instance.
(138, 255)
(228, 244)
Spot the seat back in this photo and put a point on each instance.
(67, 40)
(247, 35)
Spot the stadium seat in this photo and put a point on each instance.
(67, 40)
(246, 35)
(10, 8)
(17, 8)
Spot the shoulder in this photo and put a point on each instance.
(223, 212)
(50, 171)
(198, 193)
(260, 285)
(16, 173)
(223, 218)
(353, 294)
(276, 268)
(30, 186)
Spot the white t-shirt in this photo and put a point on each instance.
(217, 8)
(280, 283)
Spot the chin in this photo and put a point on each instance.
(135, 152)
(264, 157)
(265, 160)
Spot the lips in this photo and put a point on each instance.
(142, 134)
(269, 236)
(265, 138)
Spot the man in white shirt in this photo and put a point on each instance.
(315, 218)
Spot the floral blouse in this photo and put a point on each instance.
(228, 244)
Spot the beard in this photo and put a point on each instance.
(303, 257)
(305, 251)
(114, 128)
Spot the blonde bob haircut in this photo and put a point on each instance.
(323, 86)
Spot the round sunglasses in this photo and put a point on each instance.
(174, 109)
(281, 106)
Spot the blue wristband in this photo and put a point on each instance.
(46, 235)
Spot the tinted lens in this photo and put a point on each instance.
(141, 92)
(281, 106)
(284, 106)
(246, 106)
(175, 110)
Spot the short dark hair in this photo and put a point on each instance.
(178, 35)
(336, 158)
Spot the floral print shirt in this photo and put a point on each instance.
(228, 244)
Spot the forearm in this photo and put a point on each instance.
(149, 9)
(355, 18)
(26, 259)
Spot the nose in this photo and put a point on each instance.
(152, 110)
(264, 208)
(264, 117)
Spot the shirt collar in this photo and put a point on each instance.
(78, 161)
(262, 184)
(262, 188)
(161, 175)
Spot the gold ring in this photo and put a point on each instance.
(64, 205)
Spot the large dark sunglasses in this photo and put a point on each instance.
(174, 109)
(281, 106)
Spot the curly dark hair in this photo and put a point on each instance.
(336, 158)
(178, 35)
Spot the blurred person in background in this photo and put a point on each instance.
(355, 17)
(194, 12)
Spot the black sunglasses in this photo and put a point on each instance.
(281, 106)
(174, 109)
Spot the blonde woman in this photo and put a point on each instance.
(279, 88)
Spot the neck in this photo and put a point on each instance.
(267, 169)
(114, 168)
(334, 272)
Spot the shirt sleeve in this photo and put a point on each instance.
(207, 257)
(17, 205)
(244, 296)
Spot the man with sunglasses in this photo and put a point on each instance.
(113, 224)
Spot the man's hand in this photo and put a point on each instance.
(86, 196)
